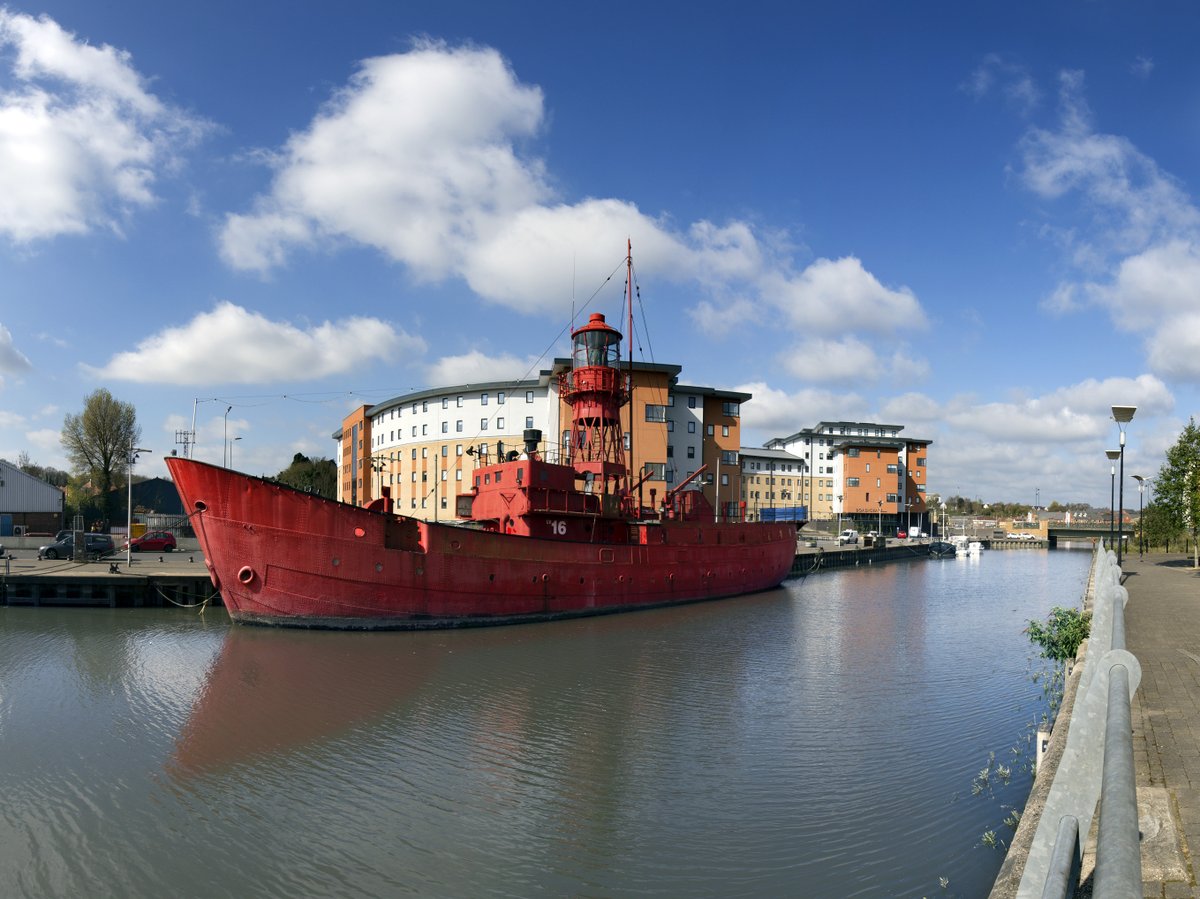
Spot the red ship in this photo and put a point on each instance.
(536, 540)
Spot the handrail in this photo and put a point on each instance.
(1097, 763)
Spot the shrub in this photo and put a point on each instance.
(1060, 636)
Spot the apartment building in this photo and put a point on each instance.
(423, 446)
(864, 472)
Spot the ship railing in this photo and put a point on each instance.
(1096, 764)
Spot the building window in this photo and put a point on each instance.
(852, 452)
(893, 469)
(670, 451)
(424, 430)
(499, 424)
(458, 402)
(732, 409)
(424, 452)
(851, 482)
(458, 426)
(445, 427)
(656, 413)
(424, 405)
(868, 468)
(500, 398)
(414, 430)
(691, 427)
(691, 452)
(483, 424)
(728, 457)
(483, 399)
(724, 480)
(529, 396)
(528, 421)
(691, 402)
(445, 402)
(921, 461)
(655, 470)
(724, 430)
(414, 454)
(458, 449)
(670, 426)
(708, 429)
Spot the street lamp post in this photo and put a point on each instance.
(839, 513)
(1123, 415)
(1141, 479)
(225, 450)
(908, 509)
(1113, 455)
(133, 451)
(879, 533)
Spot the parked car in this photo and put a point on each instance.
(97, 545)
(847, 536)
(153, 542)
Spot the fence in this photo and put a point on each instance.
(1096, 764)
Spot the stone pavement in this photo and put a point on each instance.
(1162, 628)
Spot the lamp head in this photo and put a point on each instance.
(1113, 454)
(1123, 414)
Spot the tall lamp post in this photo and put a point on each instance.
(1141, 479)
(133, 454)
(879, 533)
(225, 451)
(1113, 456)
(1122, 415)
(839, 513)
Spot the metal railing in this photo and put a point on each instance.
(1096, 764)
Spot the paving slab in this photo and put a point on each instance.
(1162, 628)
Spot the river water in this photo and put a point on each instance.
(821, 739)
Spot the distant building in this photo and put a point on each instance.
(771, 479)
(865, 472)
(28, 503)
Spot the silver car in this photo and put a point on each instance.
(95, 545)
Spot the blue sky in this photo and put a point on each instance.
(974, 220)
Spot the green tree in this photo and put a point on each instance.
(98, 441)
(1177, 489)
(46, 473)
(1159, 526)
(317, 476)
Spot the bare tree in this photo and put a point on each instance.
(98, 441)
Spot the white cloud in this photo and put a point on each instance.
(422, 157)
(46, 438)
(475, 367)
(776, 413)
(82, 141)
(1135, 239)
(231, 345)
(1080, 412)
(843, 360)
(916, 410)
(838, 295)
(11, 419)
(415, 157)
(12, 360)
(1142, 66)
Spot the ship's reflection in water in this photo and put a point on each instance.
(819, 739)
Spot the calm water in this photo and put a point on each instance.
(816, 740)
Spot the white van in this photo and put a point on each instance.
(847, 536)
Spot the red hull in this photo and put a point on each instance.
(280, 556)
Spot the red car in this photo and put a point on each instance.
(153, 542)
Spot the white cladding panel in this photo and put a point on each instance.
(20, 492)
